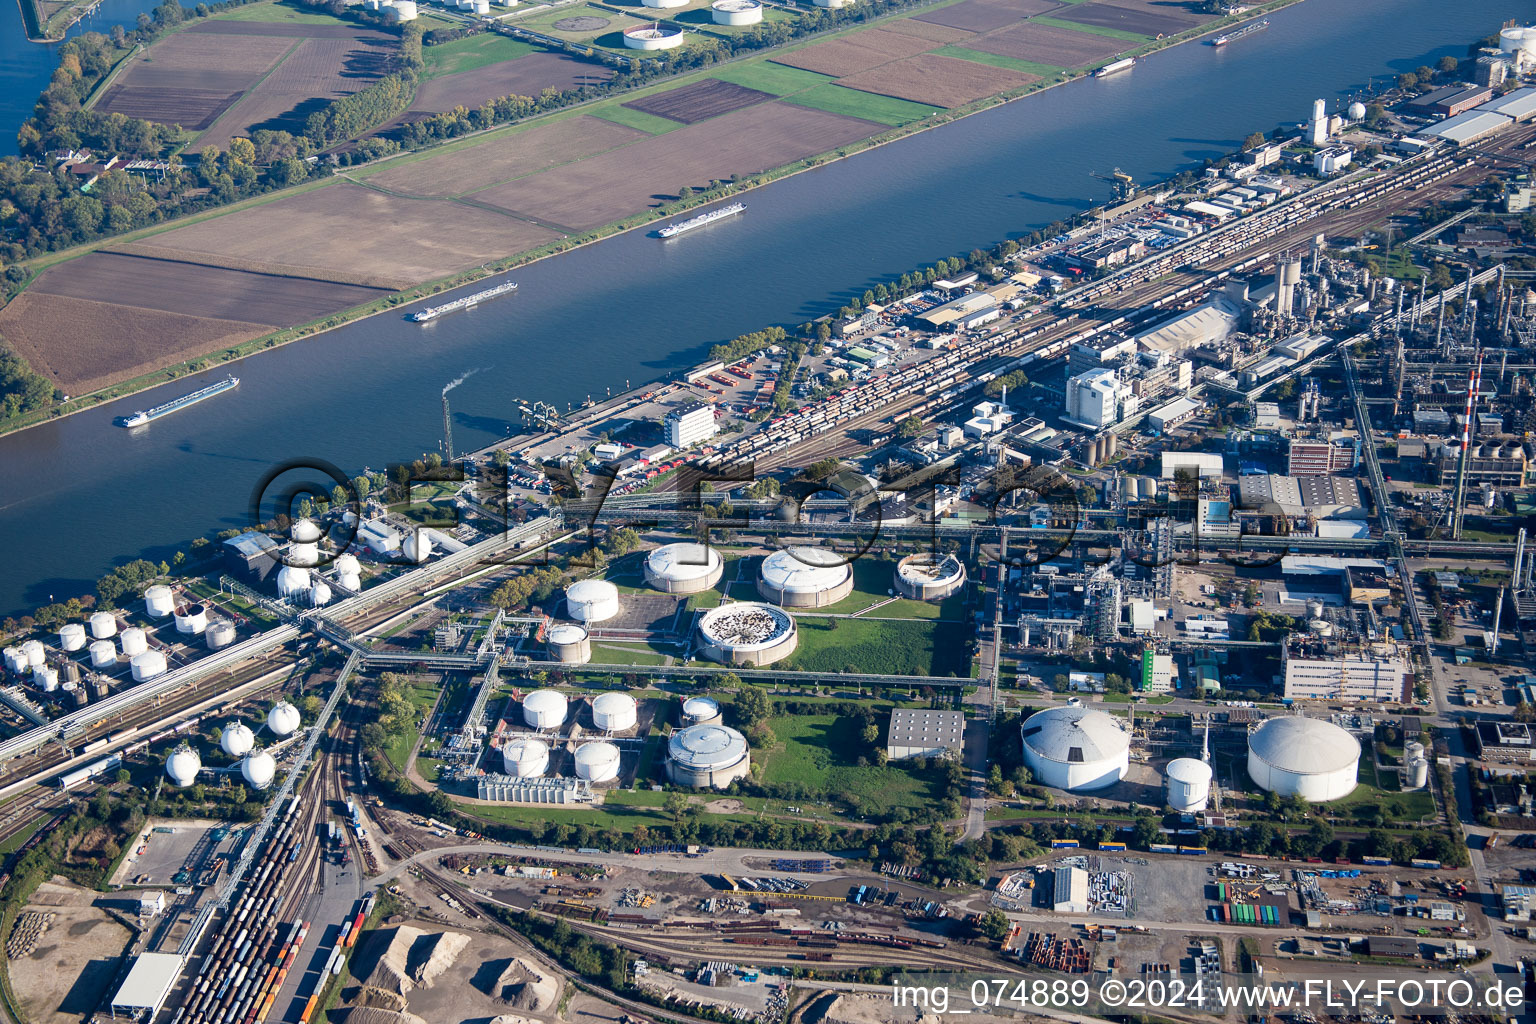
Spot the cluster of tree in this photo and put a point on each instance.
(1424, 76)
(748, 344)
(397, 715)
(1013, 380)
(350, 116)
(536, 585)
(129, 580)
(1444, 627)
(21, 390)
(1269, 626)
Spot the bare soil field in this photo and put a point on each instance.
(623, 182)
(928, 30)
(1141, 21)
(356, 230)
(858, 52)
(193, 109)
(699, 101)
(191, 78)
(192, 289)
(512, 156)
(1047, 44)
(941, 81)
(75, 960)
(986, 15)
(1189, 11)
(83, 346)
(292, 31)
(525, 76)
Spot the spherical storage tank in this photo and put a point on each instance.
(544, 709)
(347, 565)
(306, 554)
(103, 625)
(525, 757)
(237, 739)
(805, 577)
(283, 719)
(220, 634)
(1305, 757)
(192, 619)
(71, 636)
(134, 642)
(1357, 111)
(304, 531)
(614, 712)
(1189, 785)
(292, 581)
(159, 601)
(147, 666)
(569, 644)
(417, 547)
(319, 594)
(736, 12)
(183, 765)
(923, 577)
(1076, 748)
(258, 768)
(700, 711)
(707, 755)
(103, 654)
(592, 601)
(746, 633)
(683, 568)
(597, 762)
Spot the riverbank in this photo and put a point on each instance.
(44, 26)
(172, 371)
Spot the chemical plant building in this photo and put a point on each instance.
(687, 425)
(1075, 748)
(1317, 457)
(1306, 757)
(918, 733)
(1320, 669)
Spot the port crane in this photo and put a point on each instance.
(1125, 185)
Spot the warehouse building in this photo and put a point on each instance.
(919, 733)
(1070, 891)
(1468, 127)
(1451, 100)
(1173, 415)
(1203, 464)
(148, 984)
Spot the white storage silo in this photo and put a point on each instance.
(1306, 757)
(192, 619)
(525, 757)
(1412, 750)
(684, 568)
(319, 594)
(592, 601)
(103, 654)
(237, 739)
(134, 641)
(1075, 748)
(283, 719)
(37, 654)
(258, 769)
(1189, 785)
(15, 661)
(103, 625)
(597, 762)
(46, 678)
(614, 712)
(480, 6)
(700, 711)
(569, 644)
(292, 581)
(147, 666)
(183, 765)
(220, 634)
(417, 547)
(159, 601)
(544, 709)
(71, 636)
(1418, 773)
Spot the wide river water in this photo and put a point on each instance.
(80, 494)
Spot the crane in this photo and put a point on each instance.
(1125, 185)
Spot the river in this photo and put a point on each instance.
(81, 494)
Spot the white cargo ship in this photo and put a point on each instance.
(673, 230)
(1119, 65)
(144, 416)
(433, 312)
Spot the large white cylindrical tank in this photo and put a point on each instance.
(15, 661)
(747, 633)
(569, 644)
(258, 769)
(1518, 40)
(700, 711)
(685, 568)
(237, 739)
(319, 594)
(71, 636)
(347, 565)
(805, 577)
(46, 678)
(1412, 749)
(283, 719)
(1076, 748)
(103, 654)
(1418, 773)
(592, 601)
(653, 37)
(304, 555)
(614, 712)
(147, 666)
(159, 601)
(183, 765)
(597, 762)
(134, 641)
(404, 10)
(736, 12)
(1189, 785)
(707, 755)
(664, 4)
(103, 625)
(1305, 757)
(37, 654)
(220, 634)
(544, 709)
(525, 757)
(929, 577)
(192, 619)
(829, 3)
(292, 581)
(417, 547)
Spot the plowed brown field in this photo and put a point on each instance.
(699, 101)
(1047, 44)
(941, 81)
(1142, 21)
(858, 52)
(986, 15)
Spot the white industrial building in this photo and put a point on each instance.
(1099, 398)
(1075, 748)
(1174, 414)
(148, 984)
(1069, 891)
(707, 756)
(685, 568)
(1156, 672)
(1332, 160)
(687, 425)
(1336, 671)
(1205, 464)
(805, 577)
(916, 732)
(1305, 757)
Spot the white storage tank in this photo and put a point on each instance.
(1189, 785)
(304, 555)
(283, 719)
(220, 634)
(1357, 111)
(664, 4)
(1418, 773)
(258, 769)
(346, 564)
(736, 12)
(192, 619)
(685, 568)
(654, 36)
(134, 641)
(707, 755)
(72, 636)
(37, 654)
(805, 577)
(15, 661)
(525, 757)
(590, 601)
(46, 678)
(746, 633)
(544, 709)
(1413, 749)
(183, 765)
(304, 531)
(614, 712)
(700, 711)
(237, 739)
(1307, 757)
(417, 547)
(103, 625)
(569, 644)
(597, 762)
(404, 10)
(1075, 748)
(351, 580)
(319, 594)
(103, 654)
(147, 666)
(292, 581)
(926, 577)
(159, 601)
(1519, 40)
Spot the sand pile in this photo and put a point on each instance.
(512, 1018)
(373, 1015)
(392, 973)
(379, 999)
(434, 954)
(520, 985)
(862, 1009)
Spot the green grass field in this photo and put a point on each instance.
(1095, 30)
(999, 61)
(628, 654)
(821, 753)
(912, 647)
(472, 52)
(280, 12)
(766, 76)
(887, 110)
(636, 119)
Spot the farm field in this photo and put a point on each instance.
(986, 15)
(929, 30)
(909, 647)
(281, 13)
(699, 101)
(392, 241)
(191, 78)
(940, 81)
(527, 75)
(1049, 44)
(506, 157)
(999, 61)
(1141, 21)
(779, 79)
(886, 110)
(620, 183)
(639, 120)
(472, 52)
(857, 52)
(820, 752)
